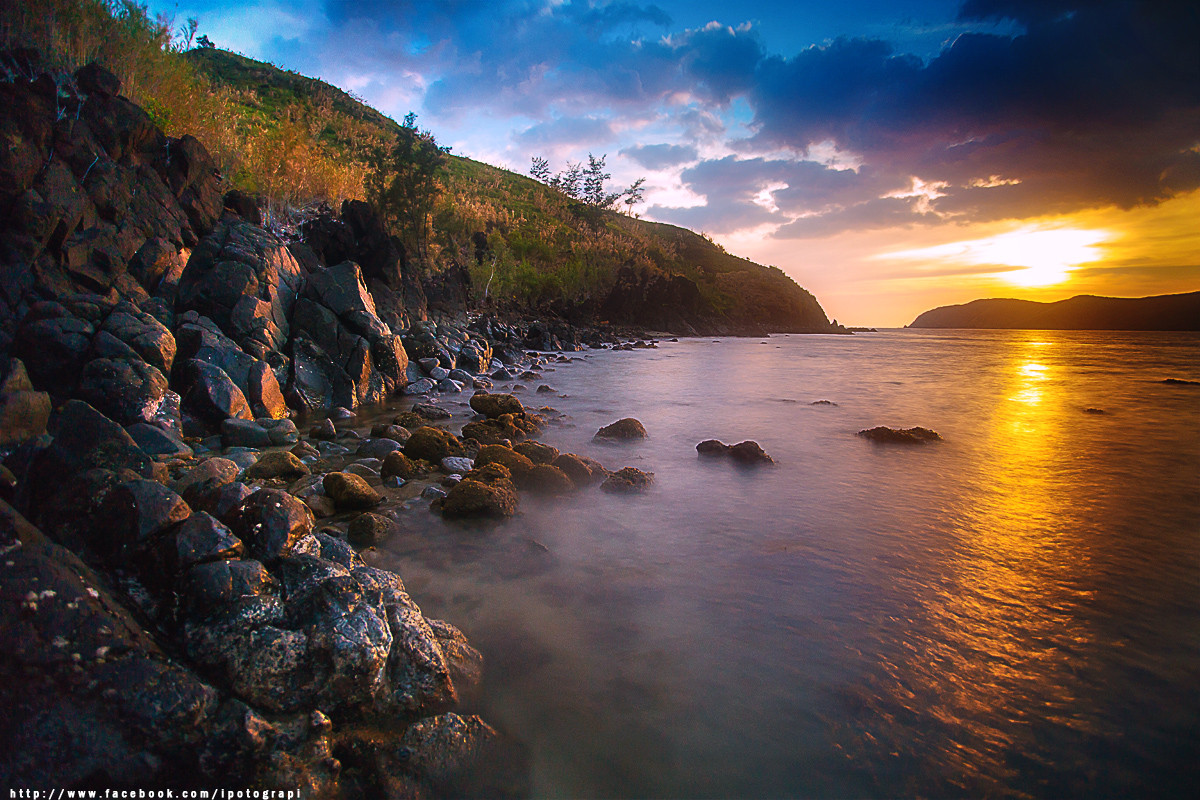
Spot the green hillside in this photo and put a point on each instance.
(526, 246)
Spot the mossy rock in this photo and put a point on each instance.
(513, 427)
(276, 464)
(491, 474)
(494, 405)
(884, 435)
(581, 470)
(472, 498)
(749, 453)
(398, 464)
(433, 444)
(545, 479)
(628, 480)
(516, 463)
(410, 420)
(622, 430)
(537, 452)
(350, 491)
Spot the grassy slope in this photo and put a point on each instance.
(541, 247)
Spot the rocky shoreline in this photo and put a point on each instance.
(181, 600)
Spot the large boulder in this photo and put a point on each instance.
(433, 444)
(127, 390)
(622, 430)
(211, 395)
(270, 522)
(494, 405)
(245, 280)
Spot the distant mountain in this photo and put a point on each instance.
(1167, 312)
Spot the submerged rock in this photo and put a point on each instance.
(884, 435)
(712, 447)
(628, 480)
(749, 452)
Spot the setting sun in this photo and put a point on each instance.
(1028, 256)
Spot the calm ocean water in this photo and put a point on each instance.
(1014, 611)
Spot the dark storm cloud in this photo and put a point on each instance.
(1094, 107)
(659, 156)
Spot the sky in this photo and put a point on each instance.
(889, 155)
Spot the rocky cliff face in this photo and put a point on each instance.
(164, 615)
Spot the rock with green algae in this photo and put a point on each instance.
(885, 435)
(494, 405)
(546, 479)
(537, 452)
(628, 480)
(485, 491)
(582, 471)
(433, 444)
(276, 464)
(516, 463)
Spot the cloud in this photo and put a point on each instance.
(1090, 108)
(661, 156)
(587, 131)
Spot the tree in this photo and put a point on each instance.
(568, 181)
(204, 41)
(540, 169)
(593, 181)
(188, 32)
(403, 183)
(633, 195)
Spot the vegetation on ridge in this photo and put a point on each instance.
(296, 141)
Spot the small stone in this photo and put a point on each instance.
(368, 530)
(457, 464)
(433, 493)
(323, 430)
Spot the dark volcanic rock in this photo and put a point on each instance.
(198, 539)
(270, 522)
(884, 435)
(127, 390)
(210, 394)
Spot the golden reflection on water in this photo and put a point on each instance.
(994, 641)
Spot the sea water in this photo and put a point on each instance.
(1011, 611)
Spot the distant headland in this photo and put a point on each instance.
(1168, 312)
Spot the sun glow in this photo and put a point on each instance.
(1028, 256)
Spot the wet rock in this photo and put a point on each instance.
(397, 464)
(514, 462)
(305, 450)
(445, 749)
(397, 433)
(628, 480)
(749, 453)
(545, 479)
(24, 412)
(822, 403)
(270, 522)
(378, 448)
(537, 452)
(1094, 411)
(582, 471)
(493, 405)
(422, 386)
(884, 435)
(244, 433)
(368, 530)
(433, 444)
(485, 491)
(623, 429)
(276, 464)
(712, 447)
(433, 493)
(431, 412)
(350, 492)
(323, 430)
(512, 427)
